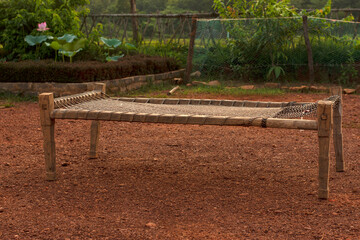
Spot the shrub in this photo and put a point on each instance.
(50, 71)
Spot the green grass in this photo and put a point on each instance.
(231, 91)
(8, 99)
(161, 90)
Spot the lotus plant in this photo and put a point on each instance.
(42, 27)
(113, 43)
(67, 45)
(37, 40)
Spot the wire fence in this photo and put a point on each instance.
(276, 48)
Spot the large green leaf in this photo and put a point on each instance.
(113, 42)
(74, 45)
(67, 38)
(33, 40)
(130, 46)
(54, 45)
(69, 53)
(114, 58)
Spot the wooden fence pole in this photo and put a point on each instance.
(324, 117)
(337, 132)
(46, 104)
(134, 21)
(191, 50)
(308, 49)
(95, 128)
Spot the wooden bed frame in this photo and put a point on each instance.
(329, 121)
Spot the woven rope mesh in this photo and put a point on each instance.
(256, 49)
(117, 105)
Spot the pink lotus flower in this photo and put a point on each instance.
(42, 27)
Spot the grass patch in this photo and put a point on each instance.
(161, 90)
(148, 90)
(231, 91)
(7, 99)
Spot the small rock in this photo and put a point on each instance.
(214, 83)
(318, 88)
(65, 164)
(150, 225)
(195, 74)
(188, 84)
(7, 164)
(272, 85)
(198, 83)
(178, 80)
(358, 89)
(247, 87)
(1, 209)
(349, 90)
(301, 88)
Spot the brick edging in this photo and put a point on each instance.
(114, 85)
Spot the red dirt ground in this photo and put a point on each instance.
(154, 181)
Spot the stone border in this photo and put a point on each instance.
(114, 85)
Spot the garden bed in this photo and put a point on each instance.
(129, 73)
(84, 71)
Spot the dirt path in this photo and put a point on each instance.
(154, 181)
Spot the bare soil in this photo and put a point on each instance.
(157, 181)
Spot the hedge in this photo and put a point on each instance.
(89, 71)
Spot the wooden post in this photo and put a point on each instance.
(324, 117)
(94, 139)
(46, 104)
(95, 128)
(191, 50)
(134, 21)
(309, 51)
(337, 131)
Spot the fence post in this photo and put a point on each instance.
(191, 50)
(308, 49)
(134, 21)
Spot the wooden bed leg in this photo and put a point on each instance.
(324, 115)
(337, 131)
(95, 128)
(46, 102)
(94, 139)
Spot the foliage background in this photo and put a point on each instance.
(176, 6)
(20, 18)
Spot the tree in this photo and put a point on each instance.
(313, 4)
(346, 4)
(254, 8)
(109, 6)
(151, 6)
(189, 6)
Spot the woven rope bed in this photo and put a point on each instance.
(97, 106)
